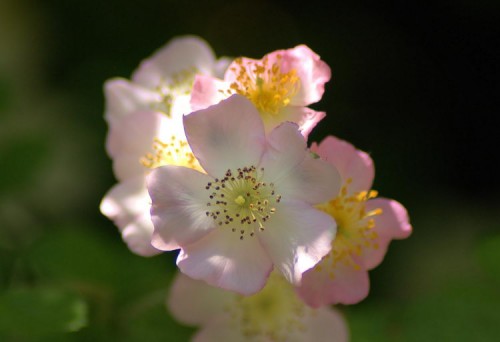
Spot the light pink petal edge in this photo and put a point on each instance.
(295, 173)
(326, 325)
(178, 55)
(229, 135)
(124, 97)
(349, 161)
(220, 328)
(223, 260)
(393, 223)
(312, 71)
(178, 198)
(137, 235)
(297, 237)
(342, 284)
(207, 91)
(193, 302)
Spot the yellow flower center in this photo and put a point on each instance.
(242, 201)
(175, 152)
(275, 313)
(354, 227)
(265, 85)
(179, 84)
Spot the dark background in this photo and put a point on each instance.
(414, 84)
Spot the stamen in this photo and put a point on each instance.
(273, 314)
(178, 84)
(246, 200)
(264, 84)
(354, 226)
(175, 152)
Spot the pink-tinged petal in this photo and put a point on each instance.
(226, 136)
(178, 207)
(305, 118)
(207, 91)
(308, 120)
(193, 302)
(393, 223)
(137, 234)
(325, 285)
(312, 72)
(296, 237)
(233, 69)
(127, 204)
(295, 173)
(313, 181)
(126, 201)
(223, 260)
(350, 162)
(179, 55)
(326, 325)
(124, 97)
(286, 148)
(221, 328)
(131, 138)
(127, 166)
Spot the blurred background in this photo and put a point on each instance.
(414, 84)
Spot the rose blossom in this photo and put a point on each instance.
(281, 85)
(365, 226)
(252, 209)
(145, 130)
(273, 314)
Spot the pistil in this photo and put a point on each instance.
(242, 200)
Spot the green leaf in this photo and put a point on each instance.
(41, 311)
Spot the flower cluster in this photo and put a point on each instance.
(211, 158)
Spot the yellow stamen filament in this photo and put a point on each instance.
(264, 84)
(355, 227)
(175, 152)
(274, 314)
(169, 89)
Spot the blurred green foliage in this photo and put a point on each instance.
(4, 97)
(40, 311)
(488, 254)
(74, 267)
(447, 291)
(24, 156)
